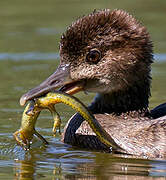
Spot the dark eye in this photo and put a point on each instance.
(93, 56)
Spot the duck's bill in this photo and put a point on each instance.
(59, 79)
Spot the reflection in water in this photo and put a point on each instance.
(25, 169)
(69, 165)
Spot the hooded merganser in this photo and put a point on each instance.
(110, 53)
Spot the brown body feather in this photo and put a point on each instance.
(135, 134)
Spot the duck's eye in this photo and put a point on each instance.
(93, 56)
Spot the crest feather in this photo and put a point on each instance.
(100, 23)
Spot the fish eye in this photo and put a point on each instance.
(93, 56)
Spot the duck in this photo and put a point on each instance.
(109, 53)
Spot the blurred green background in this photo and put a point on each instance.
(36, 25)
(29, 38)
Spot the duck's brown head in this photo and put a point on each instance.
(104, 52)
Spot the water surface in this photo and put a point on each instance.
(30, 32)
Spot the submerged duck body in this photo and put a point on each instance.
(110, 53)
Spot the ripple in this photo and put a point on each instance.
(51, 56)
(160, 57)
(11, 110)
(28, 56)
(48, 31)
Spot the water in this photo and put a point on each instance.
(30, 32)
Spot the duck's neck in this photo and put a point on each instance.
(133, 99)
